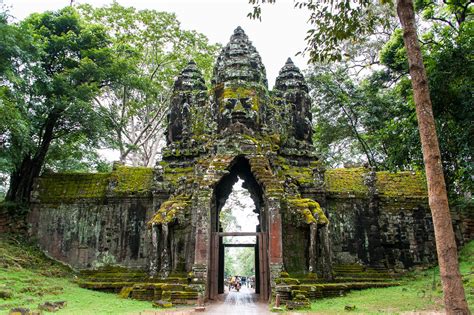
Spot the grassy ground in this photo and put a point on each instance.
(31, 279)
(419, 292)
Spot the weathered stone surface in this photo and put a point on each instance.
(293, 99)
(240, 86)
(187, 115)
(52, 306)
(161, 223)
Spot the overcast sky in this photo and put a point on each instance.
(280, 34)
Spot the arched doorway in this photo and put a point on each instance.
(239, 170)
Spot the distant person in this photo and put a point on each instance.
(231, 282)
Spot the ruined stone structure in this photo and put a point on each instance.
(164, 222)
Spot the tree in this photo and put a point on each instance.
(454, 298)
(335, 23)
(382, 100)
(155, 49)
(363, 121)
(51, 94)
(447, 49)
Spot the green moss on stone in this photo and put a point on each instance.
(240, 92)
(302, 174)
(170, 209)
(346, 180)
(310, 209)
(132, 180)
(67, 187)
(405, 184)
(387, 184)
(174, 174)
(125, 292)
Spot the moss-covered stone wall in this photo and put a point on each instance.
(88, 220)
(357, 182)
(87, 235)
(394, 234)
(375, 218)
(63, 188)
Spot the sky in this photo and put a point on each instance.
(241, 206)
(278, 36)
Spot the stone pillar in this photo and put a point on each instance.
(326, 253)
(201, 222)
(165, 254)
(275, 248)
(154, 253)
(313, 235)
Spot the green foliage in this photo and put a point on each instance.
(154, 48)
(335, 24)
(239, 261)
(371, 118)
(58, 67)
(447, 53)
(393, 54)
(361, 121)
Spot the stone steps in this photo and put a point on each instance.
(137, 285)
(347, 277)
(325, 290)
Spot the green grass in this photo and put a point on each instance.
(420, 291)
(33, 279)
(30, 289)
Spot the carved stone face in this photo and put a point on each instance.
(239, 105)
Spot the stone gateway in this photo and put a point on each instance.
(154, 233)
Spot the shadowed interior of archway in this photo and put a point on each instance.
(240, 168)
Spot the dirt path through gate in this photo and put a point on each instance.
(245, 302)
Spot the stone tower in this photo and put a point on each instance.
(248, 132)
(164, 222)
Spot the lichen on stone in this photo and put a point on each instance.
(128, 180)
(401, 184)
(171, 209)
(309, 209)
(68, 187)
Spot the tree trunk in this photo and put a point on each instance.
(21, 181)
(454, 298)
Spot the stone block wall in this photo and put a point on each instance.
(388, 234)
(378, 219)
(87, 235)
(87, 220)
(90, 220)
(12, 219)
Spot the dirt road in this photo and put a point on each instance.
(244, 302)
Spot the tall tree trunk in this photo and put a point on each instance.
(454, 298)
(21, 181)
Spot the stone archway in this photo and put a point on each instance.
(239, 168)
